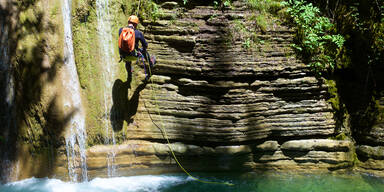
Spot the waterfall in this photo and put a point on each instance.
(72, 103)
(7, 99)
(108, 68)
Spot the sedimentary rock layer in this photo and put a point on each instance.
(145, 157)
(210, 90)
(224, 106)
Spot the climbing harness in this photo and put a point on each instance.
(164, 133)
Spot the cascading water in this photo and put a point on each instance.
(72, 104)
(107, 62)
(7, 98)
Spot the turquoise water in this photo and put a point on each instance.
(182, 183)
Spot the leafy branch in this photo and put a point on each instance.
(314, 40)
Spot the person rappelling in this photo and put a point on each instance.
(129, 38)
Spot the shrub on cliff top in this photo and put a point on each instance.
(314, 40)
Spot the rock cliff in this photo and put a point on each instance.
(224, 106)
(228, 91)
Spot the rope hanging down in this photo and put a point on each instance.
(166, 135)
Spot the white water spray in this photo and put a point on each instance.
(72, 103)
(108, 68)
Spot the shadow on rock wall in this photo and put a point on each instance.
(124, 108)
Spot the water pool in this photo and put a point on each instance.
(181, 183)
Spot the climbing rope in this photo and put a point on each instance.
(164, 133)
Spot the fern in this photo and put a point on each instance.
(314, 39)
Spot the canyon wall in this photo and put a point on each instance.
(228, 91)
(224, 106)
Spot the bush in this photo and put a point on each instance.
(314, 39)
(263, 6)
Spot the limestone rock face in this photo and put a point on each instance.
(371, 159)
(145, 157)
(375, 135)
(210, 90)
(229, 94)
(370, 152)
(222, 105)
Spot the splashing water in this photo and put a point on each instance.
(242, 183)
(108, 68)
(72, 103)
(118, 184)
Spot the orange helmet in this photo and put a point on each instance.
(133, 19)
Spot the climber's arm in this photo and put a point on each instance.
(143, 41)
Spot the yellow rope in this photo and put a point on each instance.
(166, 137)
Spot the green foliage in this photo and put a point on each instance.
(222, 4)
(264, 6)
(362, 57)
(247, 43)
(340, 137)
(264, 14)
(241, 32)
(261, 21)
(314, 39)
(155, 11)
(150, 11)
(227, 3)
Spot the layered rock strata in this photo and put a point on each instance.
(146, 157)
(225, 106)
(371, 159)
(370, 151)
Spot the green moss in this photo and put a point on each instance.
(248, 29)
(38, 57)
(355, 159)
(334, 97)
(270, 6)
(340, 137)
(341, 114)
(54, 11)
(85, 43)
(89, 59)
(261, 22)
(380, 114)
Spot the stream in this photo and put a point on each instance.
(250, 182)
